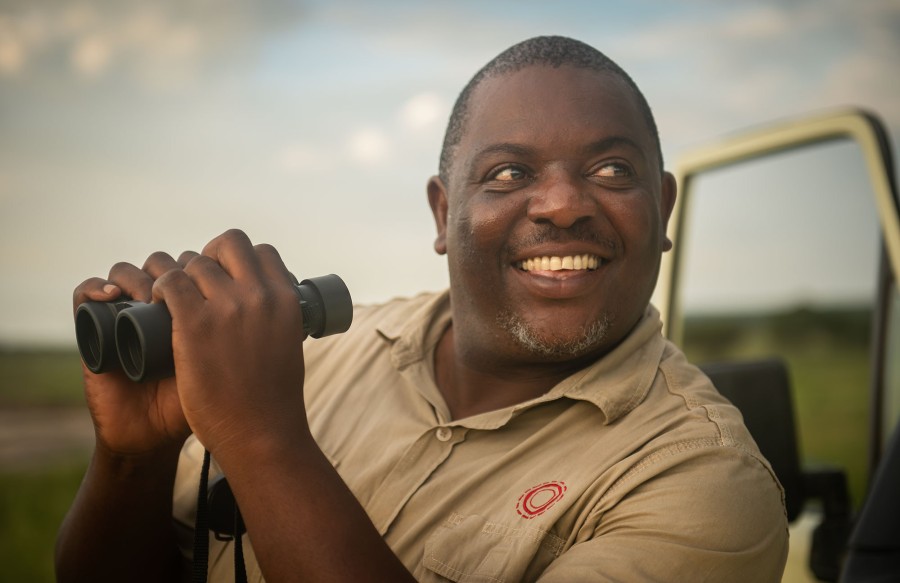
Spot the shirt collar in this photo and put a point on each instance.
(616, 383)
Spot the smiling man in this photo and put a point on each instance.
(530, 424)
(552, 207)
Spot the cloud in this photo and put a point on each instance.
(422, 111)
(744, 64)
(369, 146)
(12, 56)
(154, 44)
(299, 158)
(92, 55)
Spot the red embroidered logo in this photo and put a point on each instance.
(538, 499)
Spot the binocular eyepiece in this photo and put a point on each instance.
(137, 337)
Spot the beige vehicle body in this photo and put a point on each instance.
(829, 540)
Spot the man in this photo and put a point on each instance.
(531, 424)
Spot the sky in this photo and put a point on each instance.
(128, 127)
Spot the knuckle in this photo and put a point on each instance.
(186, 257)
(265, 249)
(172, 279)
(235, 237)
(158, 258)
(198, 263)
(120, 268)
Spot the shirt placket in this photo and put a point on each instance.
(420, 461)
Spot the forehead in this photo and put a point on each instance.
(556, 108)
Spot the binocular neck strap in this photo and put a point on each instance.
(201, 533)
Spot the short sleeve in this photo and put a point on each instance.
(716, 516)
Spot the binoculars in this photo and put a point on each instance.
(137, 337)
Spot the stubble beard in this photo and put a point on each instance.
(531, 340)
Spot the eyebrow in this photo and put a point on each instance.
(502, 148)
(613, 142)
(515, 149)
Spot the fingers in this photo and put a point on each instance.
(95, 289)
(228, 258)
(271, 264)
(186, 257)
(178, 290)
(204, 273)
(125, 279)
(241, 260)
(234, 252)
(159, 263)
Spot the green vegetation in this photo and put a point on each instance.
(38, 378)
(32, 505)
(34, 501)
(827, 353)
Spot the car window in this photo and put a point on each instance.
(780, 257)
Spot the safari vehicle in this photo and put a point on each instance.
(783, 285)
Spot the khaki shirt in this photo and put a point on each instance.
(633, 469)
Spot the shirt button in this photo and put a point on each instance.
(443, 433)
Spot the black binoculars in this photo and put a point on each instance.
(137, 337)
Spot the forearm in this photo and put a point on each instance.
(119, 526)
(304, 522)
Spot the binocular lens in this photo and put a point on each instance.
(130, 349)
(95, 331)
(86, 330)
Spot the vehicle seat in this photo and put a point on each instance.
(761, 390)
(874, 550)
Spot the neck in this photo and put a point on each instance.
(477, 385)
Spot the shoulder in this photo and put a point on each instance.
(390, 318)
(691, 498)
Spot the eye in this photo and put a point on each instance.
(613, 170)
(507, 173)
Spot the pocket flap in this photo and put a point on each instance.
(473, 549)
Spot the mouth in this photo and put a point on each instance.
(586, 262)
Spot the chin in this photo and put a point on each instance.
(555, 344)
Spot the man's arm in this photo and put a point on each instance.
(237, 343)
(711, 515)
(119, 526)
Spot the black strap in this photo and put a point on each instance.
(201, 527)
(240, 571)
(201, 533)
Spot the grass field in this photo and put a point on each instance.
(32, 505)
(40, 378)
(826, 352)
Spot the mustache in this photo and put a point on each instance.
(549, 233)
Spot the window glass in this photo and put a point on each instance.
(891, 412)
(781, 258)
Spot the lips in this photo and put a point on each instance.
(585, 262)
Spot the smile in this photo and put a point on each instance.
(570, 262)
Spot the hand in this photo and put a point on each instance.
(131, 418)
(237, 343)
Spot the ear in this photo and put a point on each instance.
(667, 197)
(437, 198)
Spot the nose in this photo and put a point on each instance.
(562, 200)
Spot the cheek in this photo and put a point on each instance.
(479, 230)
(638, 224)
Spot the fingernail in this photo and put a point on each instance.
(110, 288)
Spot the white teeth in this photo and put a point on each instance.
(555, 263)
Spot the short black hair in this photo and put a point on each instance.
(550, 51)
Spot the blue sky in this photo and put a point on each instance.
(127, 127)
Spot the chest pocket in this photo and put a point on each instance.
(472, 549)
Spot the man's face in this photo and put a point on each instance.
(554, 217)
